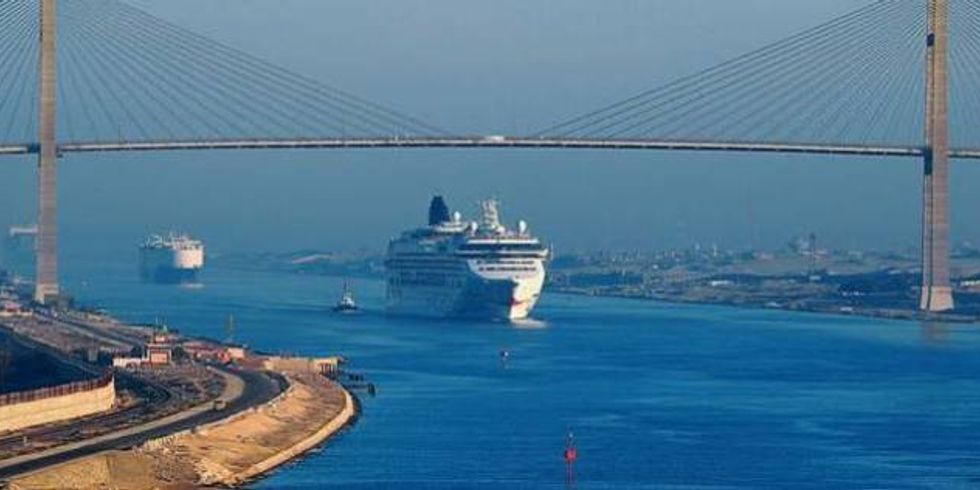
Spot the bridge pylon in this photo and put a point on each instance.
(46, 281)
(936, 293)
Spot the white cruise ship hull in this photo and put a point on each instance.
(475, 297)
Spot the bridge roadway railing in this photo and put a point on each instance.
(488, 142)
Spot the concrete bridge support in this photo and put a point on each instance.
(936, 294)
(46, 282)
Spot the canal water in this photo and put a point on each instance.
(657, 396)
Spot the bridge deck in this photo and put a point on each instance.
(487, 142)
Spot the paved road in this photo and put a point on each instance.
(259, 388)
(130, 340)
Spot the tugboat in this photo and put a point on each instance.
(346, 303)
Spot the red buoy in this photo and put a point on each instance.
(571, 455)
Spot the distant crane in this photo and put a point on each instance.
(19, 231)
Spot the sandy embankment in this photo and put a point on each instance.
(223, 454)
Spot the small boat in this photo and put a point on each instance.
(346, 303)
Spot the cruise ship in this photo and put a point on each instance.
(457, 268)
(174, 258)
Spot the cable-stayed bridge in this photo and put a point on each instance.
(896, 78)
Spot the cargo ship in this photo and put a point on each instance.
(171, 259)
(457, 268)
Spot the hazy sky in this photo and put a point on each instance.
(487, 67)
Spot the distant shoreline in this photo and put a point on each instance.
(899, 315)
(836, 309)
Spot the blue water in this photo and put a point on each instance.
(658, 396)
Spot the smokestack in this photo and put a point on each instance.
(438, 211)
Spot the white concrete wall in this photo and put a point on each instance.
(54, 409)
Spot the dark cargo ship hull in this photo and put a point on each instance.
(170, 275)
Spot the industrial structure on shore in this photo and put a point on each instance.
(18, 250)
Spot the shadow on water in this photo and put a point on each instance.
(935, 334)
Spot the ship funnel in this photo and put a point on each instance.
(438, 211)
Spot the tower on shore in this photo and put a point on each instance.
(46, 280)
(936, 294)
